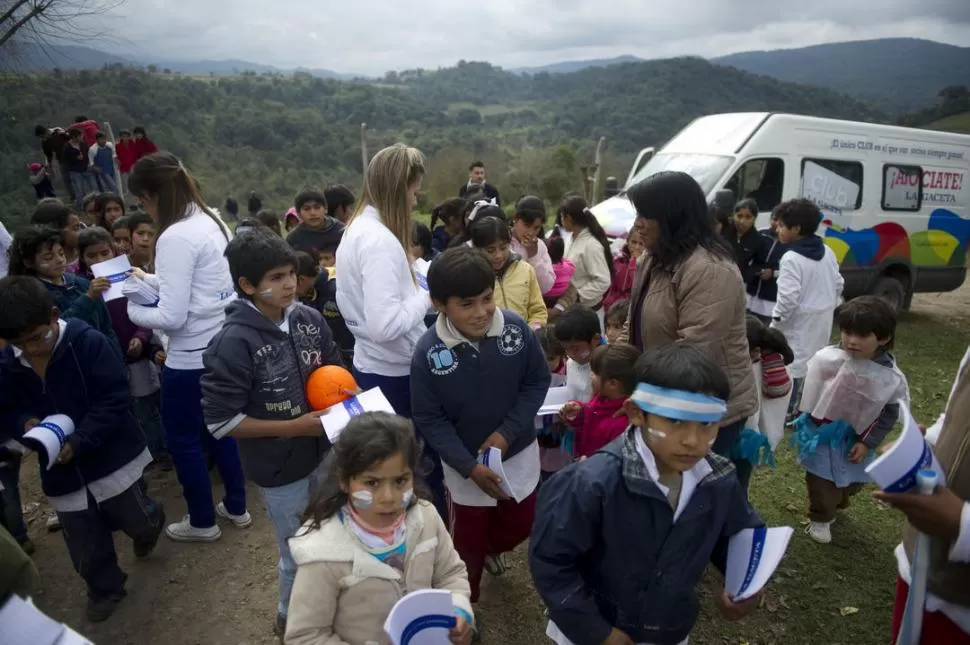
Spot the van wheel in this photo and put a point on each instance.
(891, 290)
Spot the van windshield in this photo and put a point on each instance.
(705, 169)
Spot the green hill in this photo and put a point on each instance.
(898, 74)
(275, 133)
(955, 123)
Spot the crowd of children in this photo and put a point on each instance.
(602, 487)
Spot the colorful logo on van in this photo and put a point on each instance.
(943, 243)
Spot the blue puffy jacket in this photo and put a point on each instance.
(605, 551)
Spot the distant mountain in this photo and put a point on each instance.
(899, 75)
(34, 58)
(568, 66)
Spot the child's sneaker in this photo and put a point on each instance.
(53, 522)
(496, 564)
(184, 532)
(821, 532)
(241, 521)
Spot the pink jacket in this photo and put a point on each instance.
(564, 275)
(624, 269)
(540, 261)
(596, 425)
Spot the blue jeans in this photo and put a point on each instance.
(184, 431)
(82, 183)
(397, 390)
(285, 506)
(108, 183)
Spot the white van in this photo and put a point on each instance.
(894, 200)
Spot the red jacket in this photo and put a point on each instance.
(144, 147)
(126, 155)
(90, 129)
(596, 426)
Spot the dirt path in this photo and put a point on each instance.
(225, 593)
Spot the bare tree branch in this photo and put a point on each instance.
(41, 22)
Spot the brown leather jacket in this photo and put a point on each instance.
(701, 303)
(950, 580)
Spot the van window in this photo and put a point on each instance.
(834, 185)
(902, 188)
(761, 180)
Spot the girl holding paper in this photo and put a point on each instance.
(194, 287)
(850, 402)
(370, 523)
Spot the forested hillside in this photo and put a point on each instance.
(899, 74)
(276, 134)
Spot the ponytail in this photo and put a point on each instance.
(575, 206)
(768, 340)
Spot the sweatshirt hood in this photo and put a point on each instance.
(812, 247)
(513, 258)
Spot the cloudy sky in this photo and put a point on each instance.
(372, 36)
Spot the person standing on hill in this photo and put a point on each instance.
(476, 180)
(102, 159)
(88, 127)
(77, 164)
(127, 155)
(52, 142)
(255, 203)
(143, 145)
(232, 207)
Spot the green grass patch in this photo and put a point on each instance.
(955, 123)
(489, 109)
(803, 602)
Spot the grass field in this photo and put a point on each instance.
(955, 123)
(815, 584)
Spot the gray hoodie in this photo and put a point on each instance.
(255, 369)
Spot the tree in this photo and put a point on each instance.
(43, 21)
(152, 69)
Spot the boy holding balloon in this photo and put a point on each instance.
(254, 386)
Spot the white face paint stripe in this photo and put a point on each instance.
(656, 433)
(268, 293)
(407, 497)
(362, 499)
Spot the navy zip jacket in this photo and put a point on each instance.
(86, 380)
(749, 251)
(605, 551)
(255, 369)
(767, 257)
(460, 395)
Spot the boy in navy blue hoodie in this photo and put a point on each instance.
(253, 388)
(95, 483)
(478, 379)
(622, 539)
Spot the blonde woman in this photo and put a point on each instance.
(377, 291)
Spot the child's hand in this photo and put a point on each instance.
(858, 453)
(134, 348)
(731, 610)
(138, 273)
(497, 441)
(97, 287)
(766, 274)
(488, 482)
(309, 424)
(461, 633)
(570, 410)
(31, 423)
(618, 637)
(937, 514)
(66, 454)
(160, 358)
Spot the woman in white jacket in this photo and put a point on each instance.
(377, 290)
(589, 250)
(194, 286)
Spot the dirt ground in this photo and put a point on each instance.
(225, 593)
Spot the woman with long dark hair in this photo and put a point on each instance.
(688, 289)
(194, 286)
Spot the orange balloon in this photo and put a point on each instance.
(328, 386)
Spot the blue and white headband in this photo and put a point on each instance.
(678, 404)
